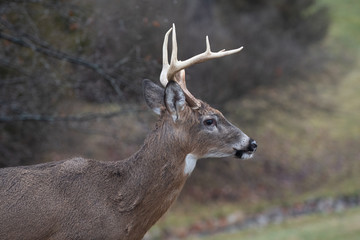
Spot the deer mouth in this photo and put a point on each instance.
(243, 154)
(248, 152)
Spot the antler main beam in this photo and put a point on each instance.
(169, 71)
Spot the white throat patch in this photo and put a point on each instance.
(190, 163)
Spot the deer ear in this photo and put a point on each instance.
(154, 96)
(174, 99)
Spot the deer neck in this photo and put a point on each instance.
(156, 174)
(164, 153)
(161, 166)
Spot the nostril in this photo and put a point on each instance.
(252, 145)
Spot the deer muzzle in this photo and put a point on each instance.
(248, 152)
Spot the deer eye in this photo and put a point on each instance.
(210, 122)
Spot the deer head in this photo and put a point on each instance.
(202, 131)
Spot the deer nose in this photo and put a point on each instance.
(252, 145)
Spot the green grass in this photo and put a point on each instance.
(335, 226)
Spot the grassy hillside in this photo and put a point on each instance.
(316, 125)
(314, 227)
(330, 136)
(310, 130)
(344, 31)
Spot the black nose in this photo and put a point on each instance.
(252, 145)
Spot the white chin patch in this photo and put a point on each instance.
(247, 155)
(190, 163)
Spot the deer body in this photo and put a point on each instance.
(88, 199)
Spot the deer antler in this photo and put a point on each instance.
(176, 69)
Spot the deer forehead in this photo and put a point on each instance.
(207, 110)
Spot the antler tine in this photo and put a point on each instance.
(165, 67)
(174, 51)
(169, 70)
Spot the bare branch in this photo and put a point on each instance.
(46, 50)
(71, 118)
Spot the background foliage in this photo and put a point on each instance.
(94, 52)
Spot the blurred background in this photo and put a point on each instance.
(70, 85)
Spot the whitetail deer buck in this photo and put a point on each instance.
(86, 199)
